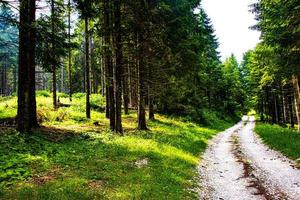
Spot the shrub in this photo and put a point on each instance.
(42, 93)
(97, 101)
(62, 95)
(47, 115)
(78, 95)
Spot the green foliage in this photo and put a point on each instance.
(62, 95)
(283, 31)
(42, 93)
(275, 60)
(216, 120)
(196, 79)
(71, 159)
(281, 139)
(8, 107)
(52, 38)
(8, 47)
(15, 164)
(233, 91)
(78, 95)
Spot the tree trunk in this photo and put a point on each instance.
(125, 89)
(273, 108)
(141, 85)
(133, 76)
(4, 80)
(87, 67)
(110, 111)
(53, 54)
(151, 108)
(62, 77)
(262, 110)
(276, 106)
(27, 117)
(118, 67)
(284, 112)
(103, 89)
(296, 84)
(107, 106)
(15, 80)
(69, 50)
(291, 111)
(54, 87)
(111, 98)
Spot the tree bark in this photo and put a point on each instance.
(4, 79)
(262, 110)
(69, 52)
(125, 88)
(151, 108)
(296, 84)
(54, 87)
(110, 108)
(291, 111)
(87, 67)
(118, 67)
(107, 106)
(284, 107)
(15, 80)
(53, 54)
(133, 75)
(27, 116)
(103, 89)
(141, 85)
(150, 94)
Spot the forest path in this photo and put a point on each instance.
(237, 165)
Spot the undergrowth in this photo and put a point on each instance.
(71, 157)
(282, 139)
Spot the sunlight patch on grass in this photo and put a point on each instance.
(8, 107)
(95, 163)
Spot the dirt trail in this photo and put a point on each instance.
(238, 166)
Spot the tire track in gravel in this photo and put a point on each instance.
(237, 165)
(276, 173)
(221, 175)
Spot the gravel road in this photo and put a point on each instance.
(237, 165)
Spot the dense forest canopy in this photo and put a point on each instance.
(155, 56)
(272, 68)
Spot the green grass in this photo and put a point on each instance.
(71, 158)
(281, 139)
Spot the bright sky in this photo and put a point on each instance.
(231, 20)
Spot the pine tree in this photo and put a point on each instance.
(27, 116)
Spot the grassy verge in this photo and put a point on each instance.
(281, 139)
(74, 158)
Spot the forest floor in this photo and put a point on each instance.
(238, 165)
(71, 157)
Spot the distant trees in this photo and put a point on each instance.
(152, 62)
(233, 91)
(52, 43)
(276, 61)
(8, 51)
(151, 56)
(155, 56)
(86, 9)
(270, 88)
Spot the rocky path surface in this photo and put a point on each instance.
(237, 165)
